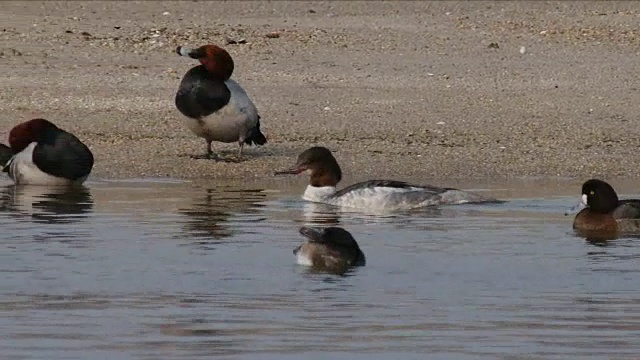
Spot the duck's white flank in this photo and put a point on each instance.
(387, 198)
(302, 258)
(24, 172)
(231, 121)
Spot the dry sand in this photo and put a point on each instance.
(409, 90)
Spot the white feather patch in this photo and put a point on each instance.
(24, 172)
(302, 258)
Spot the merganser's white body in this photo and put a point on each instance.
(373, 194)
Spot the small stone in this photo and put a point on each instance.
(311, 11)
(166, 13)
(273, 35)
(231, 41)
(326, 108)
(523, 50)
(494, 45)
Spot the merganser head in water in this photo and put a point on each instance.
(325, 173)
(217, 108)
(43, 154)
(331, 249)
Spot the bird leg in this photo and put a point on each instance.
(208, 155)
(240, 150)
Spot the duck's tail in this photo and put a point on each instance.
(255, 136)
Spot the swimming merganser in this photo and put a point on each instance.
(331, 249)
(43, 154)
(325, 174)
(217, 108)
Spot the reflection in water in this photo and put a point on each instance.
(48, 205)
(325, 214)
(320, 214)
(209, 217)
(619, 255)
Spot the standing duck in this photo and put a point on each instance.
(217, 107)
(40, 153)
(325, 173)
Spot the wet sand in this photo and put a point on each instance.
(415, 90)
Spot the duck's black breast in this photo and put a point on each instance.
(61, 154)
(200, 95)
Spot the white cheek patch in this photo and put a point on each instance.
(303, 259)
(583, 200)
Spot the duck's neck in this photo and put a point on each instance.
(318, 193)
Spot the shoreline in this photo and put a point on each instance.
(406, 91)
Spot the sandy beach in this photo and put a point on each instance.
(409, 90)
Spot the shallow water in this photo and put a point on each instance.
(152, 270)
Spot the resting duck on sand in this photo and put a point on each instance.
(40, 153)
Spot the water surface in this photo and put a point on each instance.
(148, 270)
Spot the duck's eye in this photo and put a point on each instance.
(592, 192)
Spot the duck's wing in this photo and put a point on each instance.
(401, 186)
(422, 195)
(62, 154)
(627, 209)
(241, 100)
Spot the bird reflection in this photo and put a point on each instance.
(209, 217)
(325, 214)
(48, 205)
(604, 239)
(320, 214)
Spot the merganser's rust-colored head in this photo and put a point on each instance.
(322, 166)
(215, 59)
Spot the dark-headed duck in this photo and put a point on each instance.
(216, 107)
(325, 174)
(604, 213)
(330, 249)
(40, 153)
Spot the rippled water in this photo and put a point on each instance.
(152, 270)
